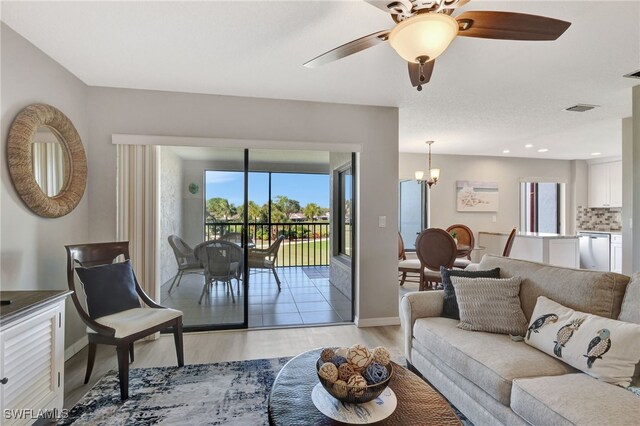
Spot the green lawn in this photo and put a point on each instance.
(301, 253)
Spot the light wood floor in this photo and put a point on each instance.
(208, 347)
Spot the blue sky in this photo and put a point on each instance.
(306, 188)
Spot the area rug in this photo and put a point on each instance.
(229, 393)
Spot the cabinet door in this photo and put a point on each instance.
(599, 185)
(31, 364)
(615, 184)
(616, 258)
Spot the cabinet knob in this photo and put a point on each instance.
(4, 381)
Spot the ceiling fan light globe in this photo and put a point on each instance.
(426, 34)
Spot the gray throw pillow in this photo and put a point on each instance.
(490, 304)
(450, 306)
(630, 310)
(109, 288)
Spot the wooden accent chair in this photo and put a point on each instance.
(123, 328)
(435, 248)
(266, 259)
(507, 247)
(464, 237)
(407, 266)
(187, 261)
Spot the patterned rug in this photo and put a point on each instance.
(230, 393)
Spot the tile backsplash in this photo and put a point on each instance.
(598, 219)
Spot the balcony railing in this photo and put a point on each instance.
(305, 243)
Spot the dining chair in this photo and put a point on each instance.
(266, 258)
(464, 235)
(510, 239)
(222, 262)
(108, 302)
(407, 266)
(186, 259)
(435, 247)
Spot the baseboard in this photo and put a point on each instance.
(76, 347)
(376, 322)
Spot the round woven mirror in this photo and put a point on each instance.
(47, 161)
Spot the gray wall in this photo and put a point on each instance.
(32, 251)
(636, 180)
(172, 190)
(179, 114)
(507, 172)
(628, 184)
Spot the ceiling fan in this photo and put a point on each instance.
(425, 28)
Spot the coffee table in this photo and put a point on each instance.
(290, 398)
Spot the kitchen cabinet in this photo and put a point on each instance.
(616, 253)
(32, 365)
(605, 184)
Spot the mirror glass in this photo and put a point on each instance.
(49, 162)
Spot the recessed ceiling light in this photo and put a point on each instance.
(543, 150)
(595, 153)
(528, 145)
(506, 151)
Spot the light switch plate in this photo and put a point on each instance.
(382, 221)
(494, 219)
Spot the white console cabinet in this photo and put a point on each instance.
(32, 364)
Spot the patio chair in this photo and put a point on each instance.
(187, 262)
(266, 258)
(222, 262)
(435, 248)
(111, 308)
(236, 238)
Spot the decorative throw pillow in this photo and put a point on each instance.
(490, 304)
(450, 307)
(630, 310)
(604, 348)
(109, 288)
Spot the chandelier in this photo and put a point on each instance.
(433, 174)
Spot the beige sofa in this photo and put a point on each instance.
(495, 380)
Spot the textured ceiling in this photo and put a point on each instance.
(485, 95)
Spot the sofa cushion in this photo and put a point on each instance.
(573, 399)
(490, 304)
(598, 293)
(630, 310)
(491, 361)
(450, 307)
(604, 348)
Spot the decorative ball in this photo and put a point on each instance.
(381, 355)
(343, 352)
(359, 357)
(329, 372)
(327, 354)
(358, 385)
(338, 360)
(340, 388)
(375, 373)
(345, 371)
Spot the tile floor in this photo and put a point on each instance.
(307, 297)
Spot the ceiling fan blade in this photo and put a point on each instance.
(510, 26)
(414, 72)
(350, 48)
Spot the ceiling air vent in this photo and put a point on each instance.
(634, 74)
(581, 108)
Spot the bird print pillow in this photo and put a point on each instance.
(604, 348)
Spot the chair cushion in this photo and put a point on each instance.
(109, 288)
(490, 361)
(604, 348)
(490, 304)
(135, 320)
(573, 399)
(409, 265)
(450, 307)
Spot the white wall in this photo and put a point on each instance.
(507, 172)
(627, 195)
(32, 253)
(635, 232)
(180, 114)
(172, 190)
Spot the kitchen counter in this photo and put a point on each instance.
(531, 234)
(552, 249)
(600, 232)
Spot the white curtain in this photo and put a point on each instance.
(138, 209)
(48, 166)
